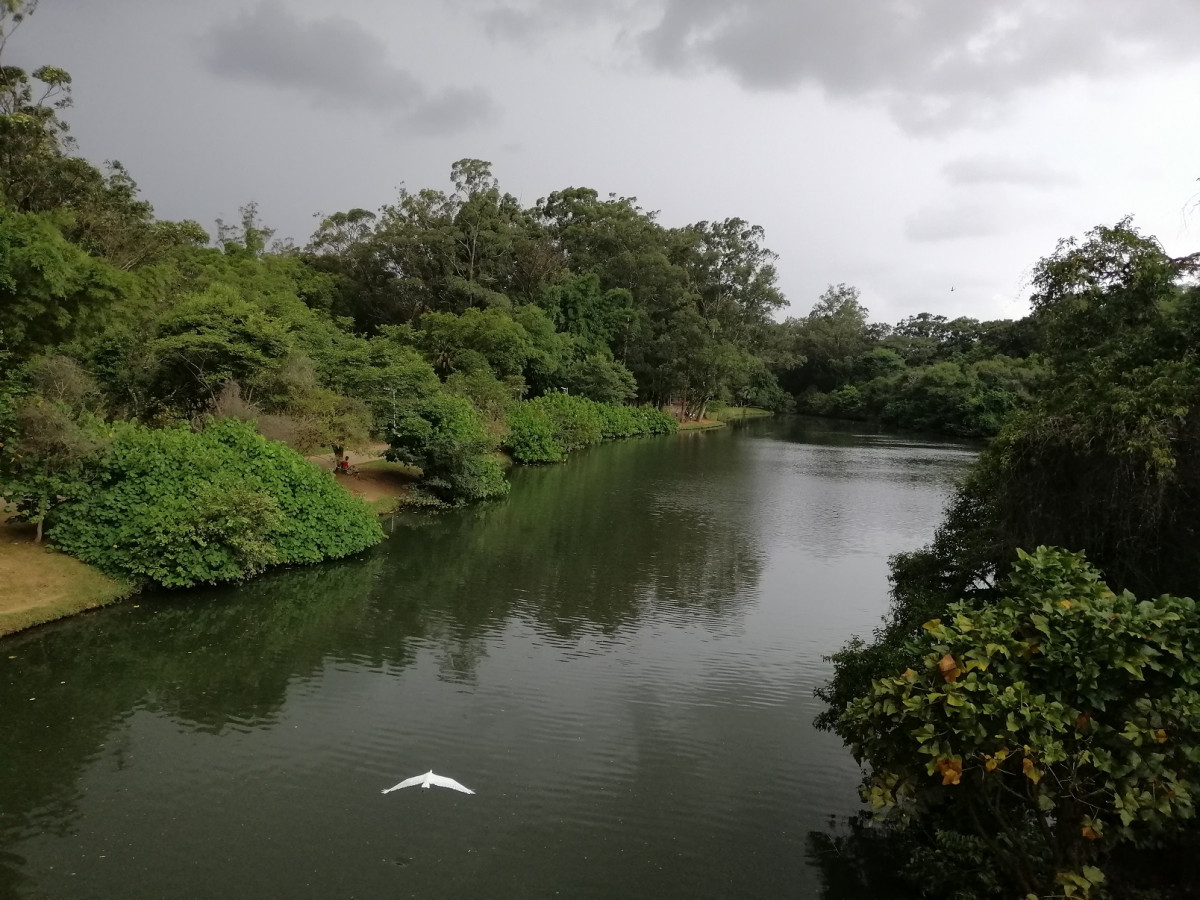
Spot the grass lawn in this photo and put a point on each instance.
(41, 584)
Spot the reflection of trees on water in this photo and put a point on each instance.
(11, 876)
(592, 546)
(582, 549)
(857, 862)
(210, 659)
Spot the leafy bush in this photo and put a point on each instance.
(577, 421)
(182, 508)
(531, 437)
(1061, 719)
(600, 378)
(446, 437)
(545, 429)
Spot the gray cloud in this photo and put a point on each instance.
(954, 222)
(972, 171)
(336, 63)
(523, 20)
(934, 64)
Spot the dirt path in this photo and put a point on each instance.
(375, 480)
(357, 457)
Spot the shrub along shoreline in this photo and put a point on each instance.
(180, 508)
(547, 428)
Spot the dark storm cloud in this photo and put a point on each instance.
(970, 171)
(934, 63)
(335, 63)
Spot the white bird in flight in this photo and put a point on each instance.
(428, 780)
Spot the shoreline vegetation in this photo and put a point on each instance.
(45, 585)
(162, 389)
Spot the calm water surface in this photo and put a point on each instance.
(619, 659)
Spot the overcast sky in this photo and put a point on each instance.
(926, 151)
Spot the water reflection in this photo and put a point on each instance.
(598, 653)
(858, 862)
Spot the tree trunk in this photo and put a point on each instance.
(40, 522)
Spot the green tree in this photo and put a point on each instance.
(491, 333)
(47, 445)
(50, 290)
(446, 437)
(209, 340)
(599, 377)
(830, 339)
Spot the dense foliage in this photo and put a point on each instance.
(1054, 723)
(960, 376)
(180, 507)
(446, 437)
(1105, 459)
(430, 324)
(546, 429)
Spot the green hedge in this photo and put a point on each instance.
(545, 429)
(181, 508)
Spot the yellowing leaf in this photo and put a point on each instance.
(950, 770)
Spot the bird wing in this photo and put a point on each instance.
(443, 781)
(407, 782)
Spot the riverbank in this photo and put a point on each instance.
(719, 418)
(729, 414)
(42, 584)
(385, 486)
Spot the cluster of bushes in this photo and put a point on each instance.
(546, 429)
(179, 507)
(123, 337)
(928, 373)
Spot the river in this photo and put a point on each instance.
(619, 659)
